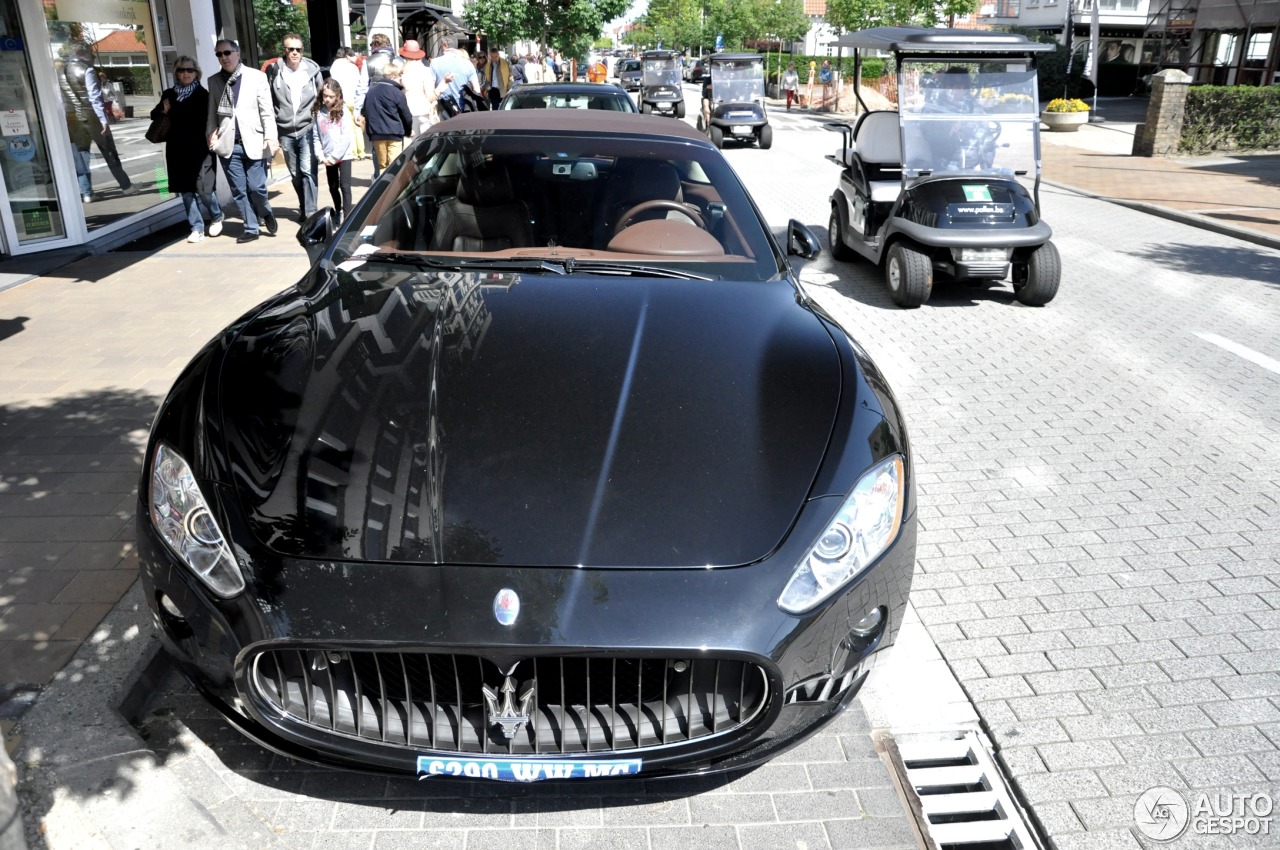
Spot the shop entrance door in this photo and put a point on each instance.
(33, 201)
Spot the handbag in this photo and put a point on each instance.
(158, 130)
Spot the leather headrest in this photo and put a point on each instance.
(489, 185)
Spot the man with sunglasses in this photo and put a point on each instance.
(241, 128)
(295, 87)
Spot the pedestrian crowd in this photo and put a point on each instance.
(242, 116)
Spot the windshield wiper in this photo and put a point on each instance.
(607, 267)
(505, 264)
(553, 265)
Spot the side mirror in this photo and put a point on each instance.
(801, 241)
(316, 231)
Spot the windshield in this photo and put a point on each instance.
(519, 99)
(661, 72)
(969, 117)
(530, 201)
(737, 81)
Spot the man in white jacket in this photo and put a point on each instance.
(242, 131)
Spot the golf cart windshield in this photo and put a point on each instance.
(663, 71)
(969, 117)
(737, 80)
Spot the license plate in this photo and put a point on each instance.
(741, 130)
(525, 770)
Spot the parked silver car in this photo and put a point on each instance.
(629, 75)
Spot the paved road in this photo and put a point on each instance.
(1098, 485)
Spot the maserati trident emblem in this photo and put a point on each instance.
(506, 606)
(502, 710)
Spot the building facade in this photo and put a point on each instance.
(67, 65)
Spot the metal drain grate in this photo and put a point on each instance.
(958, 794)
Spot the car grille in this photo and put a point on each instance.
(437, 701)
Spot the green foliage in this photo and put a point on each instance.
(503, 21)
(274, 18)
(872, 68)
(569, 26)
(1231, 118)
(851, 15)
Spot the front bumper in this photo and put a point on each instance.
(809, 666)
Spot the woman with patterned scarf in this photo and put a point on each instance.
(187, 157)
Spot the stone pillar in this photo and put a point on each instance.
(1158, 136)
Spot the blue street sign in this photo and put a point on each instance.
(719, 41)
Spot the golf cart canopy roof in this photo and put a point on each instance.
(660, 54)
(734, 57)
(922, 40)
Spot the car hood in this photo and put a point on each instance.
(536, 420)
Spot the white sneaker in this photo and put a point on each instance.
(196, 236)
(215, 227)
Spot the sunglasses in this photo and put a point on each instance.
(293, 49)
(223, 53)
(185, 70)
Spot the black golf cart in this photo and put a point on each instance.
(949, 183)
(735, 109)
(660, 83)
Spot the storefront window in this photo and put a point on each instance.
(24, 157)
(108, 74)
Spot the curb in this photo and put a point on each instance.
(1193, 219)
(85, 772)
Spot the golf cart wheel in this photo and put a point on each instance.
(645, 108)
(839, 250)
(680, 109)
(717, 136)
(1036, 282)
(765, 139)
(909, 274)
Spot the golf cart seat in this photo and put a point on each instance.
(879, 146)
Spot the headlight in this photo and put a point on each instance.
(866, 524)
(182, 517)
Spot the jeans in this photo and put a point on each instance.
(192, 202)
(300, 158)
(81, 158)
(248, 180)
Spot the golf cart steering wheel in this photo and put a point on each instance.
(660, 204)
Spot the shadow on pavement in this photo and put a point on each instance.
(1237, 261)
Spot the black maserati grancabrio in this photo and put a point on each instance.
(548, 468)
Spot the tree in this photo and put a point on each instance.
(273, 18)
(850, 15)
(566, 25)
(675, 23)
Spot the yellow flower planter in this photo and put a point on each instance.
(1064, 122)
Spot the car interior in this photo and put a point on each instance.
(617, 201)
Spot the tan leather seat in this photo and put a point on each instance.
(484, 215)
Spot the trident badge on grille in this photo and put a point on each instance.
(503, 715)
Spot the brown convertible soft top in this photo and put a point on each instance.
(568, 120)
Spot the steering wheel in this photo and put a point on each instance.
(659, 204)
